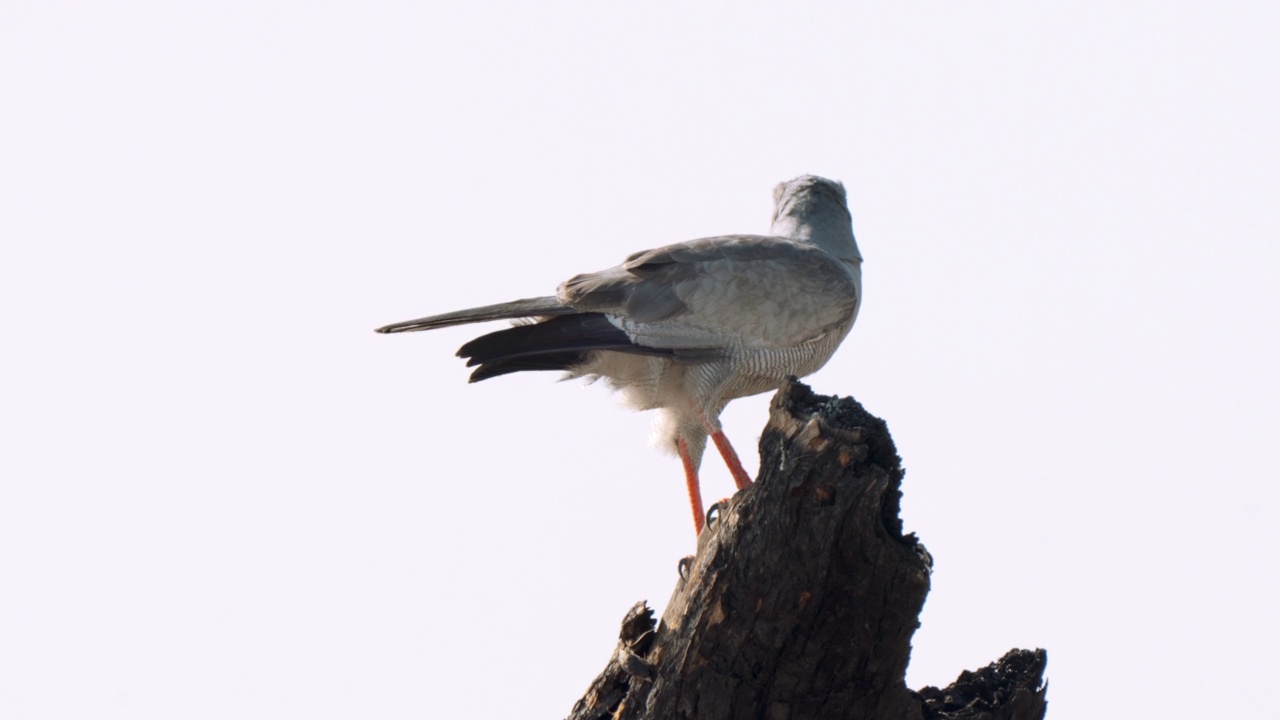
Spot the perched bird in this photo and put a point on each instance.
(683, 329)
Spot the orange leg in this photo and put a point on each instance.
(740, 476)
(691, 480)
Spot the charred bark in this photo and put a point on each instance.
(802, 598)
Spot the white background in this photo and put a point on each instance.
(223, 496)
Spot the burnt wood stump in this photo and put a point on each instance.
(802, 598)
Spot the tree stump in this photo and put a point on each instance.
(803, 596)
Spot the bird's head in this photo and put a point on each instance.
(815, 209)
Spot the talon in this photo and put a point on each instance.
(684, 566)
(713, 512)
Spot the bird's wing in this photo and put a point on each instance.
(736, 290)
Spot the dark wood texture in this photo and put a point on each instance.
(803, 596)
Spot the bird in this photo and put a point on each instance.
(685, 328)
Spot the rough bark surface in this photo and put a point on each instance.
(802, 598)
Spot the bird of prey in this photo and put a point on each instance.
(685, 328)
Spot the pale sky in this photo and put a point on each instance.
(223, 496)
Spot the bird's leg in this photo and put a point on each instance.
(711, 423)
(740, 476)
(691, 480)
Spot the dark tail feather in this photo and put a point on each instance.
(549, 361)
(557, 343)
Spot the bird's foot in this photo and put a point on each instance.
(684, 566)
(714, 512)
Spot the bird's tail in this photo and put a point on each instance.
(558, 343)
(532, 307)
